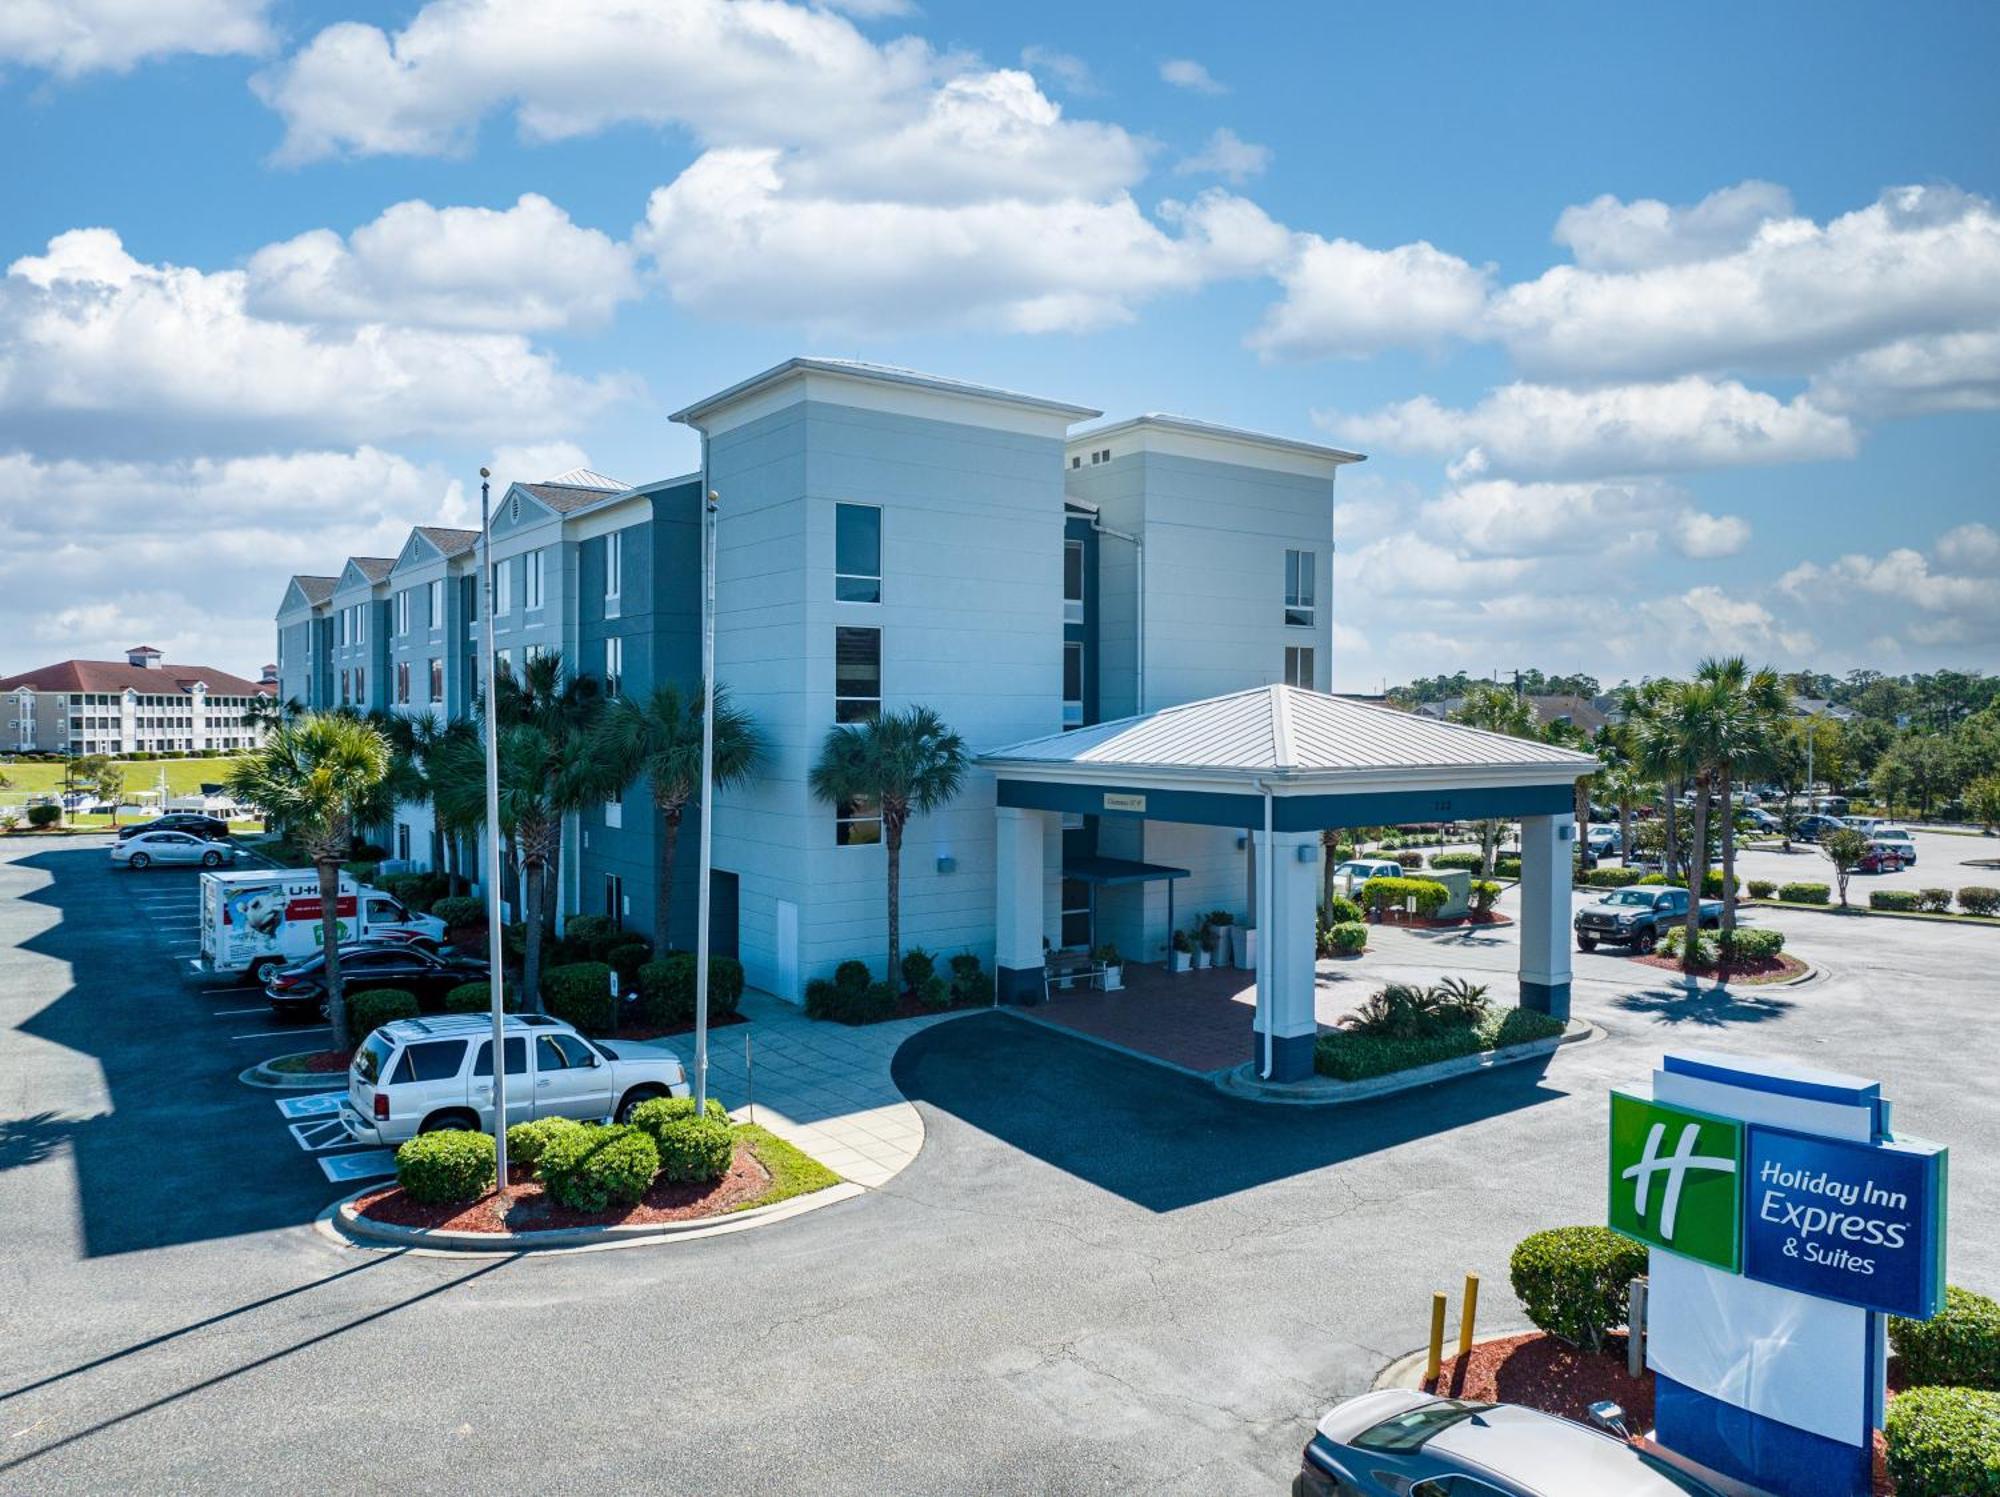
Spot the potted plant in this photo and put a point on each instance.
(1204, 946)
(1114, 966)
(1180, 952)
(1223, 924)
(1246, 947)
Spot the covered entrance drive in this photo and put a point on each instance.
(1235, 792)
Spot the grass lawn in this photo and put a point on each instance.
(793, 1172)
(184, 776)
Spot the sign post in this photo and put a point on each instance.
(1785, 1222)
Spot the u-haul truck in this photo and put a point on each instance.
(254, 922)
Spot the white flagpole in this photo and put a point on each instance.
(495, 952)
(709, 501)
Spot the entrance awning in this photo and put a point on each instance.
(1110, 871)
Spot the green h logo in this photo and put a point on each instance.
(1676, 1180)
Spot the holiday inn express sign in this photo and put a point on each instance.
(1787, 1220)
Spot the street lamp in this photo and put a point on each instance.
(709, 502)
(495, 970)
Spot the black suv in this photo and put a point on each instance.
(208, 828)
(299, 991)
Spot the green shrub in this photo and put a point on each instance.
(1610, 878)
(580, 994)
(527, 1141)
(1574, 1282)
(970, 983)
(477, 998)
(447, 1168)
(1762, 888)
(1410, 860)
(1347, 1056)
(1944, 1442)
(1348, 937)
(666, 988)
(363, 873)
(44, 815)
(589, 1168)
(1959, 1346)
(626, 956)
(1343, 852)
(692, 1149)
(1711, 884)
(1806, 893)
(651, 1115)
(591, 935)
(1507, 867)
(420, 891)
(1892, 899)
(1485, 893)
(848, 1005)
(1978, 899)
(852, 976)
(1653, 880)
(919, 967)
(1468, 861)
(460, 911)
(935, 993)
(371, 1008)
(1753, 945)
(1936, 901)
(1429, 894)
(1340, 910)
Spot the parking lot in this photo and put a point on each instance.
(1097, 1275)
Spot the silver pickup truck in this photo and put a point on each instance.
(1639, 916)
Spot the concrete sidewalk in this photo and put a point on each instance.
(824, 1087)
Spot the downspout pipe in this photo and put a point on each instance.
(1139, 642)
(1266, 870)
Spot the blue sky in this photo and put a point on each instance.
(1667, 331)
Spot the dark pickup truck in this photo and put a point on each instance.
(1639, 917)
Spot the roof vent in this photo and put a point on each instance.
(143, 655)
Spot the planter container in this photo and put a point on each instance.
(1246, 949)
(1114, 978)
(1203, 961)
(1225, 943)
(1179, 961)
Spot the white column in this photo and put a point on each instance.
(1287, 948)
(1020, 874)
(1547, 845)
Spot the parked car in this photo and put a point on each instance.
(299, 991)
(1602, 841)
(1865, 824)
(1762, 821)
(421, 1075)
(1639, 917)
(148, 848)
(1397, 1442)
(1881, 857)
(1357, 871)
(209, 828)
(1899, 838)
(1815, 827)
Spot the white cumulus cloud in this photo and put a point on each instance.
(72, 37)
(1227, 155)
(1185, 72)
(1610, 234)
(1343, 299)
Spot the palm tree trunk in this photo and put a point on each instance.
(1728, 853)
(329, 945)
(1670, 855)
(531, 959)
(1625, 829)
(663, 891)
(892, 837)
(1697, 873)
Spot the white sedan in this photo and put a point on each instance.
(149, 848)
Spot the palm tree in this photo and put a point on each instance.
(1657, 756)
(901, 762)
(1498, 711)
(547, 696)
(1684, 734)
(1749, 707)
(417, 744)
(659, 736)
(1622, 782)
(1568, 735)
(318, 777)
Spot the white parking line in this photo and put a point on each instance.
(237, 1013)
(362, 1166)
(211, 992)
(268, 1034)
(317, 1135)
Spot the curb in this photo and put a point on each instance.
(1676, 979)
(1921, 917)
(287, 1081)
(1407, 1371)
(341, 1222)
(1240, 1081)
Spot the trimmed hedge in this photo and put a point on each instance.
(589, 1168)
(1340, 910)
(1429, 894)
(666, 988)
(1892, 899)
(477, 998)
(919, 967)
(1762, 888)
(591, 935)
(1467, 861)
(1806, 893)
(847, 1004)
(1936, 901)
(1410, 860)
(447, 1168)
(1485, 894)
(1711, 884)
(371, 1008)
(526, 1142)
(460, 911)
(689, 1148)
(1944, 1442)
(1575, 1282)
(1753, 945)
(1346, 1056)
(970, 983)
(1507, 867)
(44, 815)
(1960, 1346)
(1347, 937)
(1977, 899)
(1610, 878)
(580, 994)
(626, 956)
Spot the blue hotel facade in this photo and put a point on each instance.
(883, 539)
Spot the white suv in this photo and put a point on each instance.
(416, 1075)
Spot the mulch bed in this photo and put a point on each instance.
(530, 1209)
(1431, 922)
(319, 1063)
(1764, 969)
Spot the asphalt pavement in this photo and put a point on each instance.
(1097, 1276)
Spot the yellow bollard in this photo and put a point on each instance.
(1466, 1315)
(1436, 1357)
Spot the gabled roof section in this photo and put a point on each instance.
(448, 541)
(364, 571)
(881, 374)
(565, 498)
(587, 478)
(1284, 732)
(305, 593)
(120, 675)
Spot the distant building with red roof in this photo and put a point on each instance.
(139, 704)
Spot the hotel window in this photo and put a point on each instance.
(614, 902)
(532, 584)
(1299, 587)
(857, 823)
(614, 564)
(857, 675)
(345, 699)
(402, 613)
(503, 590)
(1075, 914)
(468, 595)
(1072, 683)
(402, 683)
(614, 665)
(436, 591)
(403, 841)
(1299, 667)
(503, 664)
(340, 628)
(857, 553)
(360, 623)
(1072, 582)
(614, 809)
(360, 688)
(437, 678)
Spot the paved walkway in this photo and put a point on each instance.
(822, 1086)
